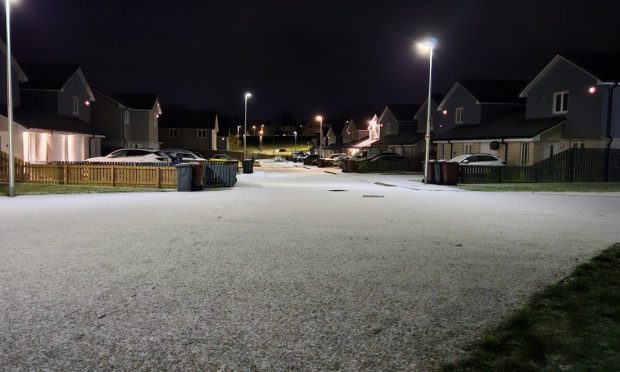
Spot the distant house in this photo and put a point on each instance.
(581, 90)
(420, 115)
(468, 105)
(399, 133)
(353, 133)
(130, 120)
(397, 118)
(55, 115)
(193, 130)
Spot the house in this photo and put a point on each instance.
(468, 105)
(129, 120)
(193, 130)
(18, 76)
(581, 89)
(333, 137)
(397, 118)
(54, 120)
(421, 114)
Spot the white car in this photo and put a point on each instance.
(184, 156)
(477, 159)
(132, 156)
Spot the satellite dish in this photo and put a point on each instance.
(494, 145)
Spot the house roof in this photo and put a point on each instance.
(435, 97)
(20, 72)
(403, 112)
(489, 91)
(188, 119)
(409, 137)
(507, 126)
(53, 76)
(337, 129)
(138, 101)
(35, 118)
(605, 68)
(364, 142)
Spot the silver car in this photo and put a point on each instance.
(132, 156)
(477, 159)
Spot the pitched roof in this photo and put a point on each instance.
(188, 119)
(48, 76)
(605, 67)
(494, 91)
(337, 128)
(409, 137)
(403, 112)
(138, 101)
(35, 118)
(506, 126)
(20, 72)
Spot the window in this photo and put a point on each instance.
(172, 133)
(458, 115)
(126, 116)
(525, 153)
(560, 102)
(579, 145)
(201, 133)
(388, 128)
(467, 148)
(76, 106)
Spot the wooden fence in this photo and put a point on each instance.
(573, 165)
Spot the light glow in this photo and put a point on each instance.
(248, 95)
(87, 103)
(445, 112)
(592, 90)
(319, 118)
(426, 45)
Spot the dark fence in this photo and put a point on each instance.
(573, 165)
(380, 166)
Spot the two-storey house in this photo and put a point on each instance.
(193, 130)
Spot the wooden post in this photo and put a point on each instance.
(113, 176)
(159, 177)
(66, 178)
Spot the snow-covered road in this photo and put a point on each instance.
(279, 272)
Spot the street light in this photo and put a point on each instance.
(245, 126)
(319, 118)
(295, 134)
(428, 45)
(238, 137)
(9, 98)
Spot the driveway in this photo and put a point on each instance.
(293, 268)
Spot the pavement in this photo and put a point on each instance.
(293, 268)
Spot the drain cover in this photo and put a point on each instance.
(337, 190)
(372, 196)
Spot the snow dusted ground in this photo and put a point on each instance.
(279, 272)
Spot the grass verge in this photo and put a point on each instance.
(546, 187)
(43, 189)
(574, 325)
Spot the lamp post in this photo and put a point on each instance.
(245, 126)
(428, 45)
(295, 134)
(319, 118)
(238, 137)
(253, 130)
(9, 99)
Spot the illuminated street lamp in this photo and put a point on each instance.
(295, 134)
(9, 98)
(427, 46)
(319, 118)
(254, 129)
(238, 137)
(245, 126)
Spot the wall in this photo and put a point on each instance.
(106, 116)
(74, 88)
(459, 98)
(584, 118)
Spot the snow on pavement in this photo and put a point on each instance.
(279, 272)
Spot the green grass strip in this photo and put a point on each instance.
(573, 325)
(44, 189)
(545, 187)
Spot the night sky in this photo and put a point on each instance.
(300, 56)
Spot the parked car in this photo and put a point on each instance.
(297, 156)
(477, 159)
(312, 159)
(183, 156)
(133, 156)
(387, 157)
(222, 157)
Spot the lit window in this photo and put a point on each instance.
(76, 106)
(201, 133)
(172, 133)
(560, 102)
(458, 115)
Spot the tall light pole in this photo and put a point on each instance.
(238, 137)
(428, 45)
(9, 98)
(319, 118)
(245, 126)
(295, 134)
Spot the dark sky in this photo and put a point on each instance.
(304, 56)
